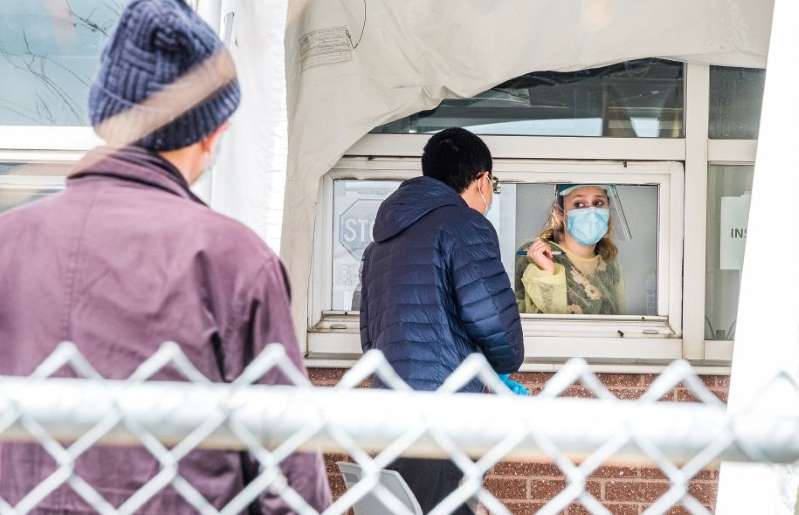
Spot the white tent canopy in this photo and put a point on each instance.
(249, 184)
(352, 65)
(767, 338)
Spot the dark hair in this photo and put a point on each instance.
(455, 157)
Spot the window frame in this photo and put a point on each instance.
(701, 152)
(548, 338)
(56, 182)
(50, 182)
(60, 139)
(696, 151)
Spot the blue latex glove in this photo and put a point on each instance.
(517, 388)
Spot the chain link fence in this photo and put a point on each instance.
(68, 416)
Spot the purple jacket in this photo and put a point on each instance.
(121, 261)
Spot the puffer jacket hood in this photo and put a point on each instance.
(413, 200)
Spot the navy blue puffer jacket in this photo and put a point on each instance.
(434, 289)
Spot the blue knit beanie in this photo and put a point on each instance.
(155, 43)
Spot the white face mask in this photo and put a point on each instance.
(212, 158)
(485, 202)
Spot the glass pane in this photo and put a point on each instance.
(735, 98)
(17, 196)
(641, 98)
(729, 189)
(49, 54)
(622, 285)
(355, 206)
(34, 169)
(519, 214)
(21, 183)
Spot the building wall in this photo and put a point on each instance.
(525, 487)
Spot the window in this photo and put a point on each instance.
(626, 283)
(641, 99)
(518, 214)
(650, 252)
(736, 95)
(728, 194)
(680, 287)
(23, 183)
(49, 54)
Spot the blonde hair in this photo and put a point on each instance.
(555, 231)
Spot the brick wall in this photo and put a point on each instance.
(525, 487)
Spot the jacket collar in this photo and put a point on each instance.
(411, 202)
(134, 164)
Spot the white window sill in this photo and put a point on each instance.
(620, 345)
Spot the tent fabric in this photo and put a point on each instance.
(249, 178)
(754, 393)
(352, 65)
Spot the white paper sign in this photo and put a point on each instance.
(734, 218)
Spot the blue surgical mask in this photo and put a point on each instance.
(588, 226)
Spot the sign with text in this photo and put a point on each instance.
(733, 219)
(355, 205)
(356, 224)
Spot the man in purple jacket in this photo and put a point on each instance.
(127, 258)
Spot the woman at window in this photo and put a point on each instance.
(572, 267)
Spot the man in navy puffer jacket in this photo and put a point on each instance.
(433, 286)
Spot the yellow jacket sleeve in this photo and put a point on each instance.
(545, 292)
(519, 267)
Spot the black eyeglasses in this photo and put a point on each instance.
(495, 183)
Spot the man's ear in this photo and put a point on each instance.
(208, 143)
(479, 182)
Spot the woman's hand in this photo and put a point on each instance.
(541, 254)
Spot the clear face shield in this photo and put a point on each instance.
(618, 220)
